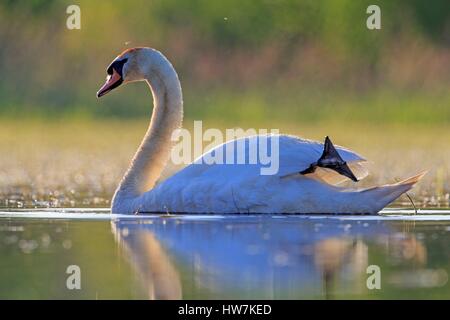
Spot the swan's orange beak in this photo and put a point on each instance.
(113, 81)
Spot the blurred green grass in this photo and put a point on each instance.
(260, 107)
(290, 60)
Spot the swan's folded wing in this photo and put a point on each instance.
(291, 156)
(329, 176)
(297, 155)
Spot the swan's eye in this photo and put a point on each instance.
(116, 65)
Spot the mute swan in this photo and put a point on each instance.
(306, 181)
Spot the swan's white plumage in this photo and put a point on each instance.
(232, 188)
(240, 188)
(295, 155)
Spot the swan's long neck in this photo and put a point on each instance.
(154, 151)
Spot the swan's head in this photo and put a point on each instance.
(126, 67)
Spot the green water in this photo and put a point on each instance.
(196, 257)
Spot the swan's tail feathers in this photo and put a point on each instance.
(379, 197)
(330, 159)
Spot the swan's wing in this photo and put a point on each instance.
(297, 155)
(329, 176)
(233, 187)
(292, 156)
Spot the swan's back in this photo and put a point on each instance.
(294, 155)
(231, 187)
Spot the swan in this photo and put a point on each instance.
(307, 181)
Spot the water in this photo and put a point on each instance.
(47, 167)
(212, 256)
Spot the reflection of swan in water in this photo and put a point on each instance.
(153, 265)
(250, 257)
(330, 255)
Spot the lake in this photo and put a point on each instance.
(399, 255)
(57, 179)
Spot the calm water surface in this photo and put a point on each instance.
(237, 256)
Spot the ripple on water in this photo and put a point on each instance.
(104, 214)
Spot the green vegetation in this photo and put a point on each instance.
(240, 60)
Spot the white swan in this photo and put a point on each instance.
(305, 183)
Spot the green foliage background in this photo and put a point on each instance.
(239, 61)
